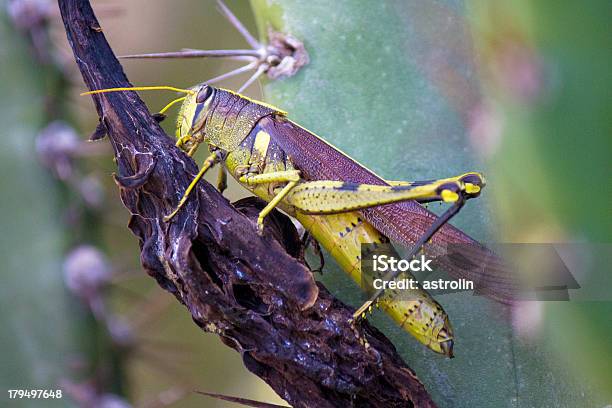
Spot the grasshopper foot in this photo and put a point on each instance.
(361, 312)
(260, 225)
(170, 216)
(176, 210)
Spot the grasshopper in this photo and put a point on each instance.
(337, 200)
(340, 202)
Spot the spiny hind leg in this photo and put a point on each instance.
(291, 177)
(332, 197)
(210, 161)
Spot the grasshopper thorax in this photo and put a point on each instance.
(219, 117)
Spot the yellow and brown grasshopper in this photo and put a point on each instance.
(340, 202)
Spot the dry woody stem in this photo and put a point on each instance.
(262, 301)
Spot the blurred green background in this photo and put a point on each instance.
(413, 89)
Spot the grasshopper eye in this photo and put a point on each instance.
(204, 94)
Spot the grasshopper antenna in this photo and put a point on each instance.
(148, 88)
(140, 88)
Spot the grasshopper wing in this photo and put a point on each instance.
(452, 250)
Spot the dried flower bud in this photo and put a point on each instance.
(56, 145)
(86, 271)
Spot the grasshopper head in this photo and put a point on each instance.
(192, 115)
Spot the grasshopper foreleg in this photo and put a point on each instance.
(210, 161)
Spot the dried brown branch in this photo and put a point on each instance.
(262, 302)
